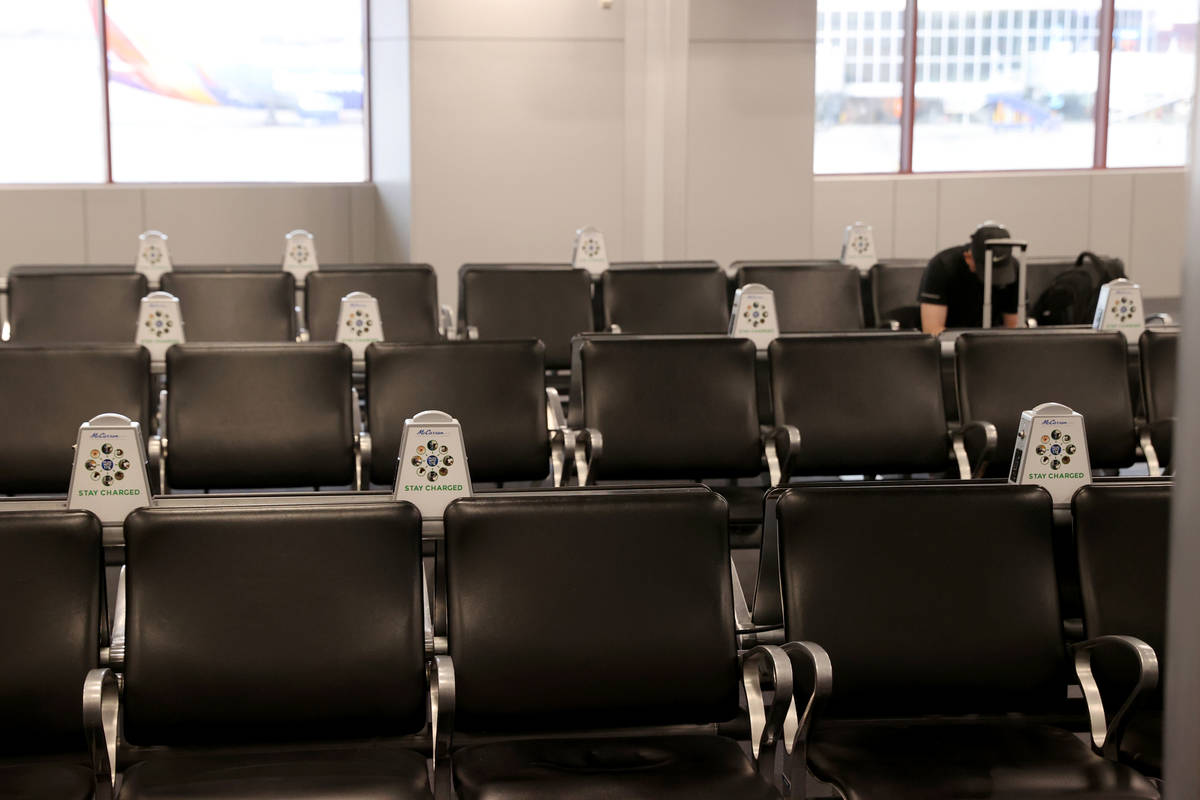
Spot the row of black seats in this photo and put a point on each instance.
(270, 416)
(926, 657)
(547, 302)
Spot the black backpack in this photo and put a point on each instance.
(1071, 298)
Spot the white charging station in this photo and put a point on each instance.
(1120, 309)
(153, 257)
(1051, 452)
(359, 323)
(433, 463)
(590, 252)
(299, 254)
(754, 316)
(858, 246)
(109, 474)
(159, 324)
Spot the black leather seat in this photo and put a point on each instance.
(1004, 373)
(1038, 277)
(1158, 349)
(588, 611)
(259, 416)
(47, 392)
(894, 285)
(809, 296)
(251, 669)
(495, 389)
(868, 403)
(937, 607)
(52, 582)
(60, 305)
(669, 408)
(518, 301)
(234, 305)
(1122, 532)
(666, 298)
(407, 295)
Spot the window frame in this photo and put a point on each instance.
(368, 159)
(911, 19)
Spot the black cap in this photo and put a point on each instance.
(1004, 267)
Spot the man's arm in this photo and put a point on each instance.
(933, 318)
(1012, 321)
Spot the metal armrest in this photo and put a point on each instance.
(301, 331)
(556, 424)
(1106, 734)
(893, 324)
(1146, 432)
(974, 446)
(782, 447)
(812, 673)
(114, 655)
(156, 450)
(589, 447)
(102, 725)
(614, 328)
(1161, 318)
(472, 333)
(440, 671)
(767, 724)
(362, 446)
(445, 322)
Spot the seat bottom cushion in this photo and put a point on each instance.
(643, 768)
(371, 772)
(992, 759)
(46, 778)
(1142, 743)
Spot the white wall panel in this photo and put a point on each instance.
(516, 144)
(753, 20)
(113, 219)
(749, 192)
(915, 217)
(838, 203)
(1111, 227)
(517, 19)
(41, 226)
(247, 224)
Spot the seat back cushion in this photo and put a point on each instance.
(1159, 359)
(668, 299)
(929, 599)
(811, 298)
(48, 306)
(407, 295)
(590, 610)
(271, 624)
(235, 306)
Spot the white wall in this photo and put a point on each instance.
(681, 128)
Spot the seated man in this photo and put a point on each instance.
(951, 293)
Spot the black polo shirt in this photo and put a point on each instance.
(948, 281)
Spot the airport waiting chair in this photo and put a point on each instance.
(665, 298)
(865, 403)
(1122, 537)
(496, 390)
(580, 613)
(809, 296)
(52, 582)
(1003, 373)
(936, 606)
(526, 301)
(1158, 349)
(259, 416)
(237, 304)
(893, 287)
(272, 652)
(1039, 274)
(47, 392)
(407, 295)
(74, 305)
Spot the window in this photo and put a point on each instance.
(1003, 86)
(1153, 72)
(1038, 114)
(857, 122)
(51, 93)
(224, 90)
(280, 100)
